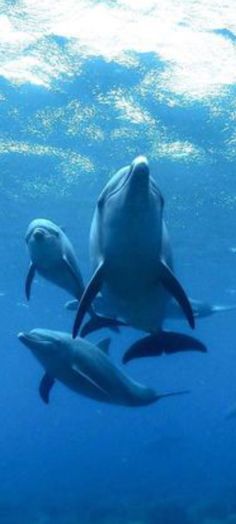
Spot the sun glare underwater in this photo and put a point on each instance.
(120, 114)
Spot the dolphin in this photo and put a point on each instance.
(201, 309)
(131, 255)
(85, 369)
(53, 257)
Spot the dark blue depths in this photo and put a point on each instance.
(77, 460)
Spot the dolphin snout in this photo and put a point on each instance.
(138, 179)
(23, 337)
(28, 339)
(140, 165)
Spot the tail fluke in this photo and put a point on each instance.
(164, 342)
(172, 394)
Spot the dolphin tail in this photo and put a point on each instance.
(99, 322)
(164, 342)
(171, 394)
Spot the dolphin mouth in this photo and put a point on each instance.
(39, 234)
(29, 339)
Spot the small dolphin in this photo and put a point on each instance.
(131, 255)
(85, 368)
(53, 256)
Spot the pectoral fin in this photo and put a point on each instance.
(29, 280)
(165, 342)
(88, 296)
(173, 286)
(45, 387)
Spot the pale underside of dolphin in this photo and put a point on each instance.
(131, 254)
(85, 369)
(53, 257)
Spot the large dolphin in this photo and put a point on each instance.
(131, 256)
(84, 368)
(52, 256)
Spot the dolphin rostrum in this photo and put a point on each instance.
(85, 368)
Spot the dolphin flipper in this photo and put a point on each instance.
(45, 387)
(29, 280)
(88, 296)
(173, 286)
(164, 342)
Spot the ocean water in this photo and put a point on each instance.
(85, 87)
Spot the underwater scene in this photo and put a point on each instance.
(118, 262)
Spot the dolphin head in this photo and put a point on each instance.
(44, 239)
(49, 347)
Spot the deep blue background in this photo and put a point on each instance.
(76, 454)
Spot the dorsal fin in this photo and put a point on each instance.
(104, 345)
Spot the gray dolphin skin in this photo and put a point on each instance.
(131, 255)
(85, 369)
(53, 257)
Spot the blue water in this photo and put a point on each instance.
(73, 111)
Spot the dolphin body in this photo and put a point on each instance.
(132, 260)
(85, 369)
(53, 257)
(201, 309)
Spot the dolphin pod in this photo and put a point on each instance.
(132, 259)
(133, 282)
(53, 257)
(85, 369)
